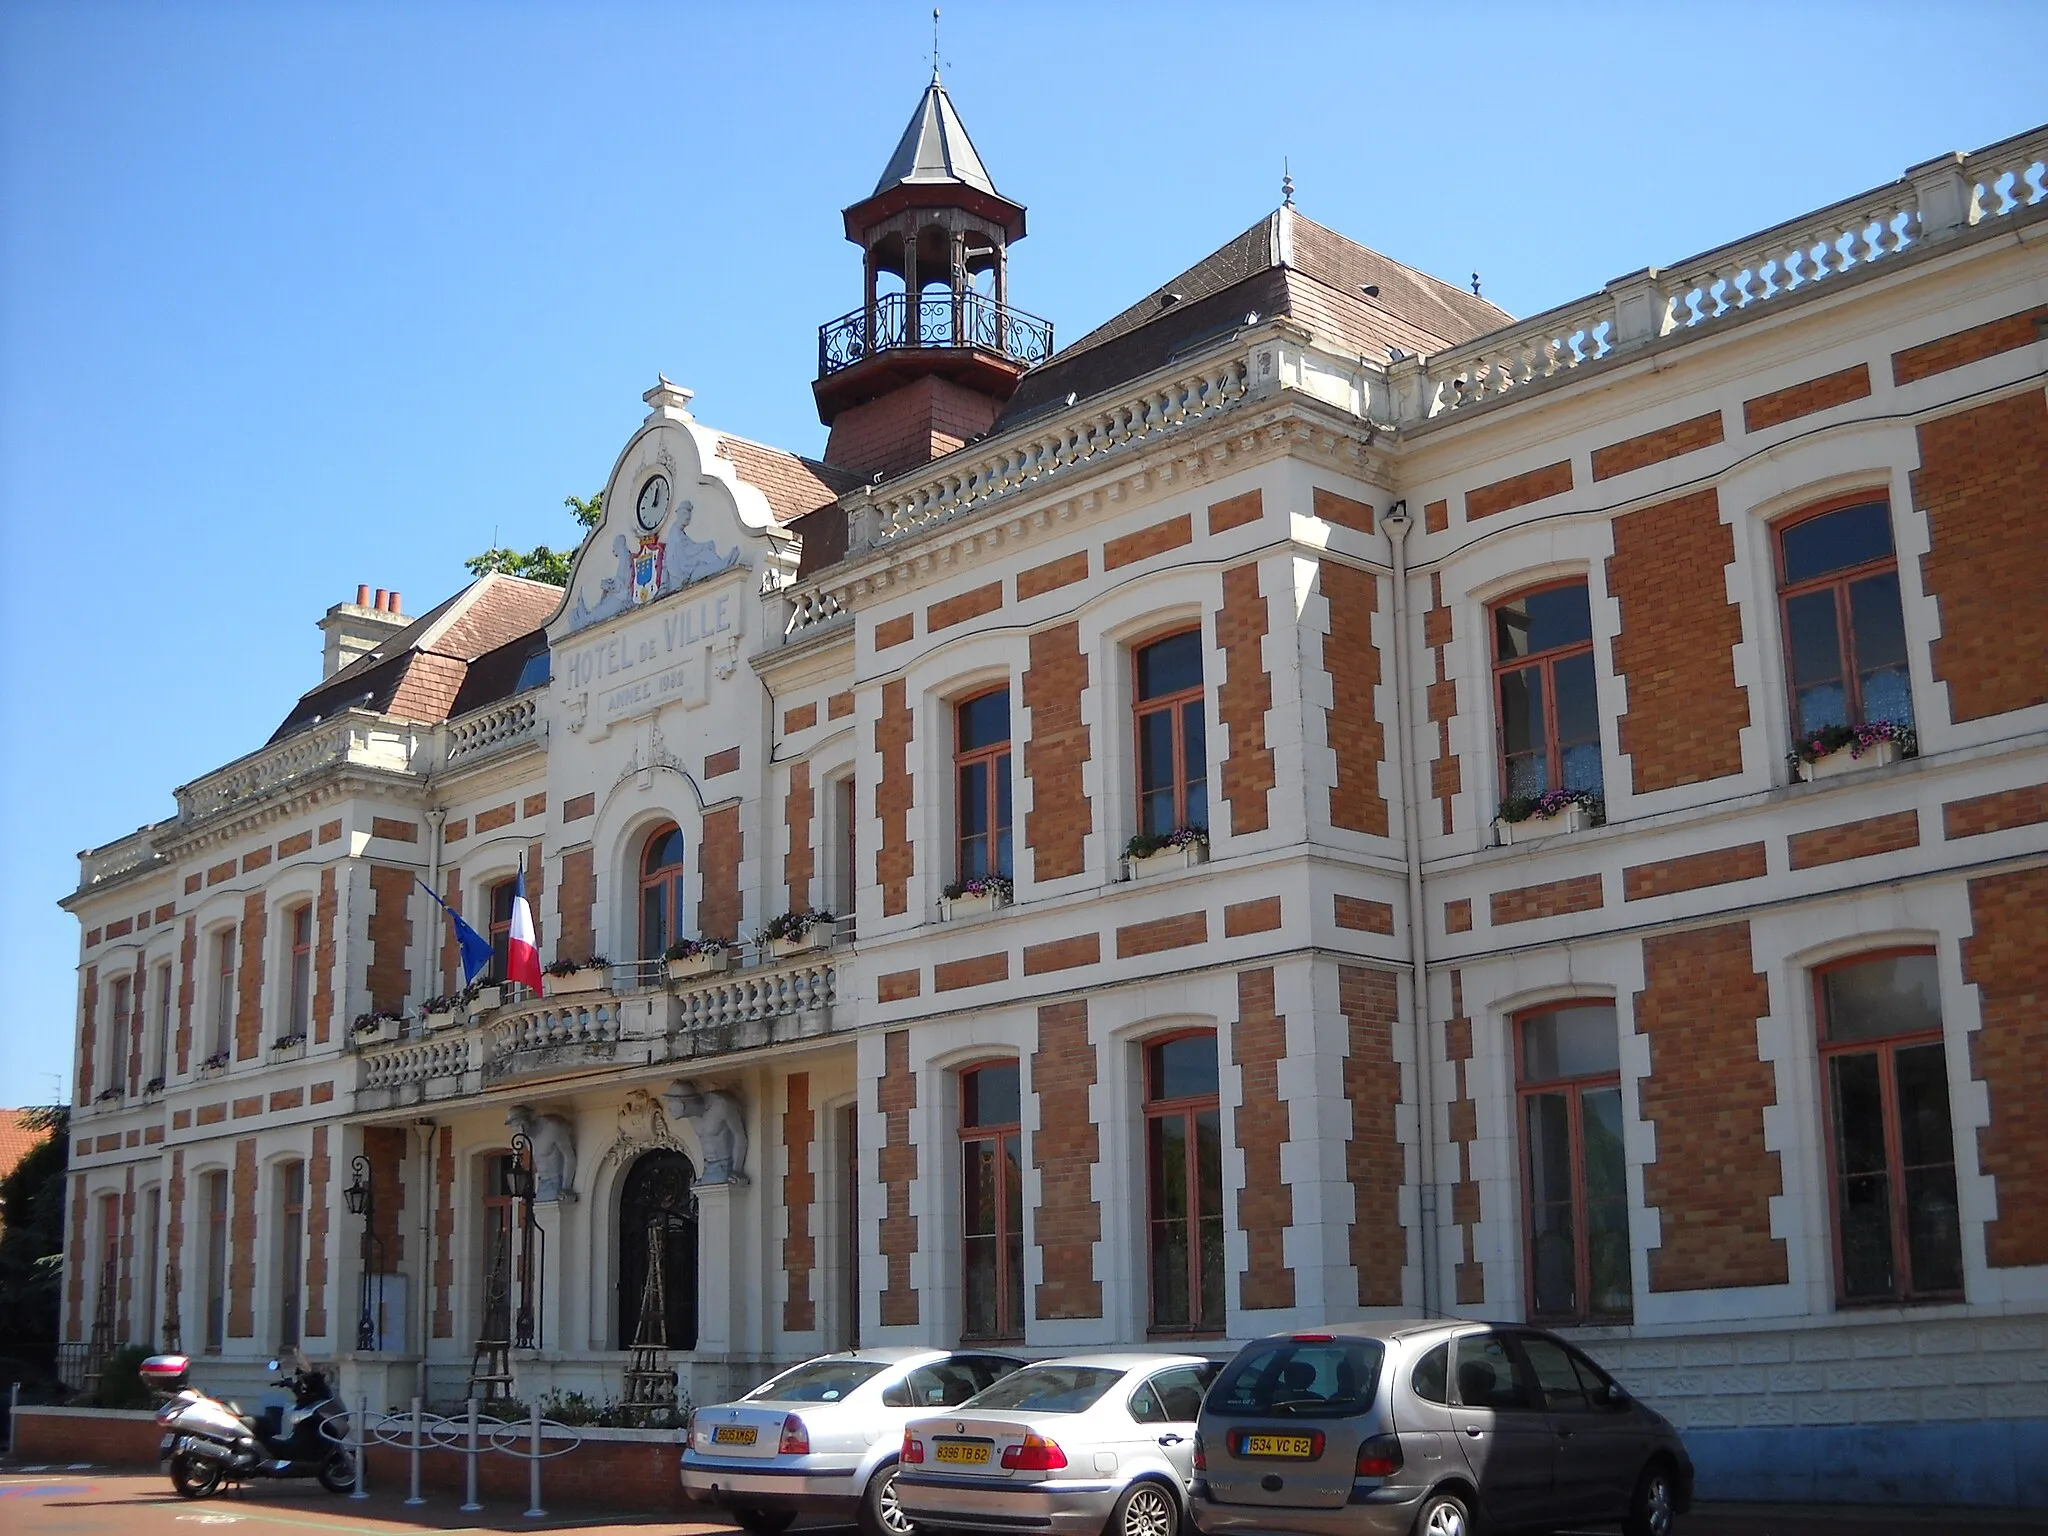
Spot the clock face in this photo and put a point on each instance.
(653, 502)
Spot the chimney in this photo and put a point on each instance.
(357, 628)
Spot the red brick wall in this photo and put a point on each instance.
(1351, 724)
(444, 1233)
(1037, 580)
(1162, 933)
(1692, 872)
(896, 1095)
(451, 951)
(188, 965)
(385, 1147)
(326, 909)
(1677, 642)
(1706, 1095)
(1265, 1206)
(1856, 839)
(797, 810)
(971, 971)
(1373, 1160)
(1655, 447)
(575, 894)
(138, 995)
(1983, 482)
(1518, 490)
(75, 1267)
(911, 425)
(89, 1035)
(1978, 342)
(249, 968)
(719, 906)
(174, 1249)
(1062, 954)
(103, 1438)
(1173, 533)
(986, 598)
(1259, 915)
(1821, 394)
(799, 1191)
(896, 858)
(1057, 826)
(1446, 776)
(1468, 1268)
(319, 1170)
(1554, 898)
(1341, 510)
(242, 1243)
(1999, 812)
(2006, 961)
(125, 1258)
(1243, 698)
(1064, 1150)
(390, 931)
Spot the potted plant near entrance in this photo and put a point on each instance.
(568, 978)
(1152, 853)
(695, 957)
(796, 933)
(1837, 749)
(1524, 818)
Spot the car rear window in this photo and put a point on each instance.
(816, 1381)
(1301, 1378)
(1049, 1389)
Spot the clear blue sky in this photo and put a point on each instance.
(295, 296)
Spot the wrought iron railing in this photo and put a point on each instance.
(971, 320)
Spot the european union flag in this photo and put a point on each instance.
(476, 949)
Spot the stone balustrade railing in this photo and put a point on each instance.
(1928, 203)
(484, 731)
(135, 851)
(357, 736)
(449, 1054)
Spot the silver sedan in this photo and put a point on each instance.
(822, 1437)
(1085, 1444)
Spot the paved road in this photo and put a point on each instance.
(87, 1501)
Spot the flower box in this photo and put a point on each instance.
(590, 979)
(1568, 819)
(706, 962)
(379, 1033)
(953, 908)
(1165, 860)
(817, 936)
(440, 1018)
(289, 1049)
(484, 999)
(1844, 760)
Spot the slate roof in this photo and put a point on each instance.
(935, 149)
(1283, 265)
(793, 484)
(419, 673)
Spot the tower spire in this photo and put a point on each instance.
(935, 45)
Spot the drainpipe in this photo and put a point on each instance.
(1396, 522)
(424, 1265)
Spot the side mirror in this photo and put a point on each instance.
(1614, 1396)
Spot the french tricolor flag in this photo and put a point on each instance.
(522, 951)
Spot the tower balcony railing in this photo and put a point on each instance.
(971, 321)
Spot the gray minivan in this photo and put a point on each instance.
(1438, 1427)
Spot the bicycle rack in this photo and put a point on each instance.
(415, 1431)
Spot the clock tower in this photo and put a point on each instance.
(934, 351)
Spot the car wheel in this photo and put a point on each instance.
(880, 1514)
(763, 1522)
(1444, 1514)
(194, 1476)
(1651, 1511)
(338, 1473)
(1146, 1509)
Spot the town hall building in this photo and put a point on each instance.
(1315, 799)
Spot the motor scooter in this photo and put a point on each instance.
(209, 1442)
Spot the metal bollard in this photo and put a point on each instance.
(415, 1496)
(13, 1414)
(533, 1469)
(471, 1507)
(356, 1433)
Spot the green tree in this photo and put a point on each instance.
(32, 1244)
(542, 563)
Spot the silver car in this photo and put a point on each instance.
(822, 1438)
(1436, 1427)
(1085, 1444)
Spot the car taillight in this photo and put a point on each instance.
(796, 1440)
(1380, 1456)
(913, 1449)
(1036, 1454)
(1201, 1455)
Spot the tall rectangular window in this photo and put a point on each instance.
(992, 1202)
(300, 1012)
(121, 1013)
(223, 992)
(1845, 632)
(981, 773)
(1549, 717)
(291, 1251)
(162, 1042)
(1172, 739)
(216, 1261)
(843, 884)
(1184, 1183)
(1891, 1142)
(1575, 1176)
(501, 928)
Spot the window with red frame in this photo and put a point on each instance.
(1184, 1184)
(300, 1003)
(992, 1202)
(1173, 750)
(1891, 1142)
(981, 772)
(1845, 633)
(1543, 680)
(661, 891)
(1574, 1173)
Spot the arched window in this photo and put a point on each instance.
(1184, 1183)
(658, 1224)
(1549, 716)
(1891, 1138)
(1574, 1176)
(661, 891)
(1173, 752)
(1845, 633)
(991, 1202)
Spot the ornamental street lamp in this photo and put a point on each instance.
(361, 1196)
(519, 1184)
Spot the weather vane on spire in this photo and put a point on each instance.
(935, 43)
(1286, 184)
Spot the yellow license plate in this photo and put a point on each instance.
(735, 1434)
(1291, 1447)
(963, 1455)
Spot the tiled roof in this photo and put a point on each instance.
(419, 673)
(16, 1139)
(793, 485)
